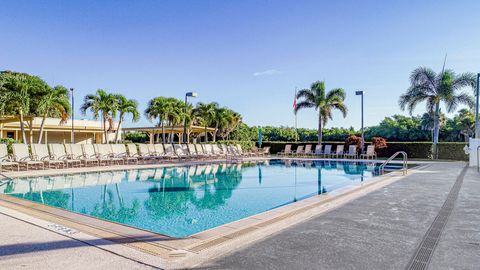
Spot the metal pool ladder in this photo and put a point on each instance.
(404, 163)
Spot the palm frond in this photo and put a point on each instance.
(336, 93)
(306, 94)
(303, 105)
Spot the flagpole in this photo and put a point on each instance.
(295, 112)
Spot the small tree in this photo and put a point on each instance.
(353, 140)
(379, 143)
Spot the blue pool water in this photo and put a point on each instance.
(180, 201)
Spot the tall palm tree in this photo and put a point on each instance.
(206, 112)
(157, 108)
(55, 102)
(427, 86)
(221, 119)
(324, 103)
(175, 114)
(15, 95)
(101, 103)
(125, 106)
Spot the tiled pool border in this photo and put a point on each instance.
(171, 253)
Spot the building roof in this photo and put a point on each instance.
(168, 129)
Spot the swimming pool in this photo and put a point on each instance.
(181, 201)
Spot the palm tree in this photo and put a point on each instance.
(206, 114)
(324, 103)
(174, 114)
(221, 119)
(427, 86)
(157, 108)
(15, 94)
(125, 106)
(101, 103)
(54, 103)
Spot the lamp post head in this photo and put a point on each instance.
(191, 94)
(359, 93)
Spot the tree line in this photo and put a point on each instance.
(169, 111)
(398, 128)
(24, 95)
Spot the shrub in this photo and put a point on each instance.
(379, 143)
(353, 140)
(136, 137)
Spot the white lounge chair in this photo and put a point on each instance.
(327, 151)
(299, 151)
(40, 153)
(308, 150)
(75, 152)
(169, 150)
(287, 150)
(352, 152)
(201, 151)
(193, 152)
(120, 151)
(90, 152)
(5, 160)
(23, 157)
(339, 152)
(318, 150)
(179, 151)
(370, 153)
(58, 152)
(144, 153)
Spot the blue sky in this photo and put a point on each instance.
(247, 55)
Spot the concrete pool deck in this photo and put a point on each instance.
(379, 230)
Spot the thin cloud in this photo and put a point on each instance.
(268, 72)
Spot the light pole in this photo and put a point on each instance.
(361, 93)
(188, 94)
(477, 128)
(73, 111)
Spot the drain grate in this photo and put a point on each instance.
(425, 250)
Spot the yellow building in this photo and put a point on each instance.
(86, 131)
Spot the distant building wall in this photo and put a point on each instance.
(86, 131)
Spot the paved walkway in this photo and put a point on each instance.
(379, 231)
(25, 246)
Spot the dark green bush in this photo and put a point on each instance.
(136, 137)
(452, 151)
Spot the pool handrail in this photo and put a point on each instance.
(404, 163)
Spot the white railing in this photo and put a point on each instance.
(404, 163)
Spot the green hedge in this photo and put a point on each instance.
(453, 151)
(422, 150)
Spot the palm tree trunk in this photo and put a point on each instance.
(436, 130)
(163, 131)
(22, 127)
(206, 134)
(215, 133)
(118, 127)
(172, 135)
(105, 129)
(41, 128)
(320, 129)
